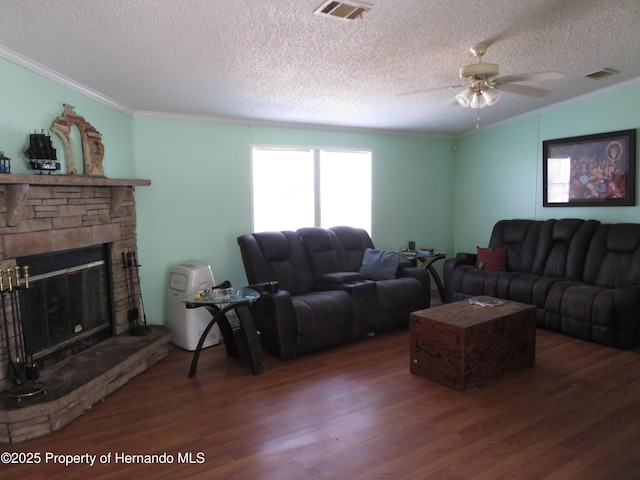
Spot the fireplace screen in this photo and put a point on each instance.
(68, 302)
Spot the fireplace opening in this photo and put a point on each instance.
(68, 303)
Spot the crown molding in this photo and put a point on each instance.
(61, 79)
(253, 122)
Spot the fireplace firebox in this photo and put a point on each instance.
(68, 304)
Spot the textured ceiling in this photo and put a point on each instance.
(275, 61)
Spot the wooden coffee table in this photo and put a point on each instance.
(464, 346)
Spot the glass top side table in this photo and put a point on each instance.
(218, 305)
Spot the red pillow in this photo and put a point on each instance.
(494, 259)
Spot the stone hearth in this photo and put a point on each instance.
(77, 383)
(46, 213)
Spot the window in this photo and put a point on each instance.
(559, 175)
(345, 189)
(282, 178)
(302, 187)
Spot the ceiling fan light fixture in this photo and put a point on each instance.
(464, 97)
(478, 101)
(491, 96)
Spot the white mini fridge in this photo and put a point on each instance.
(187, 324)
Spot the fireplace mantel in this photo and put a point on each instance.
(17, 189)
(71, 180)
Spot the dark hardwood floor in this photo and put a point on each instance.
(357, 413)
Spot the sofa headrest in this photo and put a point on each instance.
(514, 231)
(624, 237)
(565, 228)
(274, 245)
(279, 256)
(354, 242)
(353, 238)
(315, 239)
(324, 251)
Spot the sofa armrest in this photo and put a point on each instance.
(364, 297)
(420, 274)
(275, 318)
(265, 287)
(335, 280)
(627, 304)
(450, 264)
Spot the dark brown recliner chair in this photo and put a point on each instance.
(297, 319)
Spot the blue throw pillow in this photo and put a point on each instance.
(379, 264)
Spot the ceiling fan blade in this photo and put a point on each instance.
(529, 77)
(523, 90)
(425, 90)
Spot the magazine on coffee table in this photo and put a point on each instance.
(484, 301)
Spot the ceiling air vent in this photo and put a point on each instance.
(604, 73)
(342, 10)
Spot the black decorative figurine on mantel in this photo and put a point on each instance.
(41, 153)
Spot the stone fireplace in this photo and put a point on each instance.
(41, 214)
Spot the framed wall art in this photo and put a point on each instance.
(591, 170)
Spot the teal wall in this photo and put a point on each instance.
(498, 171)
(199, 200)
(31, 102)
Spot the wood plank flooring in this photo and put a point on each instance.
(356, 412)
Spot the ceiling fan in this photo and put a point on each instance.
(485, 86)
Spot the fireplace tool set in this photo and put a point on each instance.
(132, 279)
(23, 370)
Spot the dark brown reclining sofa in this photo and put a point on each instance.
(313, 295)
(583, 276)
